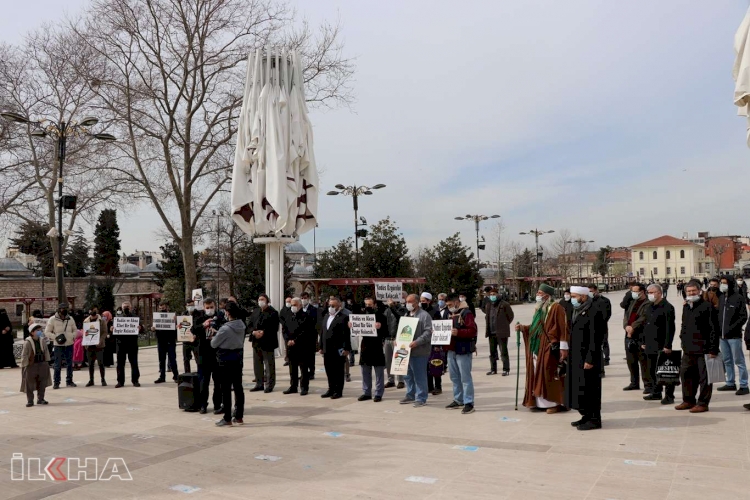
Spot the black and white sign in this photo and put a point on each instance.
(363, 325)
(388, 290)
(164, 321)
(126, 325)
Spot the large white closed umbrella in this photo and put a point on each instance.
(741, 70)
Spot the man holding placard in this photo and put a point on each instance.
(463, 332)
(94, 340)
(372, 330)
(166, 342)
(417, 353)
(126, 330)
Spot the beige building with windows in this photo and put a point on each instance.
(668, 257)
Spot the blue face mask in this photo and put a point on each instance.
(441, 303)
(39, 333)
(575, 302)
(493, 298)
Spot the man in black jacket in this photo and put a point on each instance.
(265, 338)
(393, 313)
(189, 349)
(699, 336)
(633, 320)
(205, 325)
(732, 317)
(335, 345)
(658, 330)
(601, 319)
(371, 356)
(127, 347)
(166, 346)
(311, 311)
(298, 331)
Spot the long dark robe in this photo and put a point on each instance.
(583, 388)
(7, 359)
(543, 381)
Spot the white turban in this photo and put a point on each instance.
(580, 290)
(427, 295)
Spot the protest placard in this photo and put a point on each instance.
(164, 321)
(363, 325)
(184, 325)
(441, 331)
(91, 333)
(198, 299)
(124, 325)
(402, 352)
(388, 290)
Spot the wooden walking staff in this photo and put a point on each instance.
(518, 360)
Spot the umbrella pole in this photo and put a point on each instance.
(518, 363)
(275, 281)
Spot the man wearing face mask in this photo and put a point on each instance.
(425, 302)
(166, 346)
(732, 317)
(699, 336)
(437, 362)
(393, 313)
(742, 288)
(713, 293)
(546, 342)
(335, 344)
(602, 312)
(371, 355)
(312, 312)
(416, 376)
(265, 338)
(284, 314)
(567, 305)
(498, 317)
(61, 331)
(658, 332)
(205, 325)
(299, 336)
(633, 321)
(127, 348)
(189, 349)
(96, 352)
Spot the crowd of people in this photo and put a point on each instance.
(566, 345)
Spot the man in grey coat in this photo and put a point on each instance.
(416, 376)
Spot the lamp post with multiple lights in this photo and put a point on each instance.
(477, 219)
(580, 242)
(537, 233)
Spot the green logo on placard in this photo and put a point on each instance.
(406, 333)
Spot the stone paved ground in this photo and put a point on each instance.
(645, 451)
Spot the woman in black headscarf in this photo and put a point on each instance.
(7, 358)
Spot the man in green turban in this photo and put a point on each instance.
(546, 342)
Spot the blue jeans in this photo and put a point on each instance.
(416, 379)
(367, 380)
(459, 367)
(67, 353)
(731, 350)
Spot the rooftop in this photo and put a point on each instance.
(665, 241)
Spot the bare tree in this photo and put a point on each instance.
(38, 81)
(171, 74)
(717, 250)
(561, 247)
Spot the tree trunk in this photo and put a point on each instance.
(188, 261)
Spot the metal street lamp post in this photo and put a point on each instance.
(355, 192)
(580, 242)
(537, 233)
(477, 219)
(59, 131)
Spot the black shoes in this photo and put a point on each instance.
(41, 402)
(742, 391)
(104, 383)
(377, 399)
(219, 410)
(257, 388)
(364, 397)
(303, 392)
(119, 385)
(336, 396)
(606, 362)
(578, 422)
(400, 385)
(91, 382)
(326, 394)
(203, 410)
(388, 385)
(667, 400)
(136, 384)
(268, 389)
(491, 372)
(56, 386)
(727, 388)
(454, 405)
(468, 408)
(29, 404)
(348, 378)
(590, 425)
(70, 384)
(160, 381)
(291, 390)
(647, 390)
(631, 388)
(652, 397)
(506, 373)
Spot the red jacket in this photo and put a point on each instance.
(464, 322)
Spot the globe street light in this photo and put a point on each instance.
(477, 219)
(355, 192)
(60, 131)
(537, 233)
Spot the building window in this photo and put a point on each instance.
(669, 255)
(655, 257)
(656, 271)
(682, 254)
(669, 271)
(640, 255)
(682, 271)
(642, 271)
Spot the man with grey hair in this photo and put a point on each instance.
(658, 333)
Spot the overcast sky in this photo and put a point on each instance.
(612, 119)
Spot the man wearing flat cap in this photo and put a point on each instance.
(546, 342)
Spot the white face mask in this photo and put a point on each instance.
(409, 306)
(723, 288)
(692, 298)
(262, 303)
(651, 297)
(567, 297)
(739, 282)
(591, 295)
(305, 302)
(210, 312)
(294, 309)
(289, 304)
(462, 299)
(191, 309)
(539, 298)
(635, 295)
(453, 309)
(331, 310)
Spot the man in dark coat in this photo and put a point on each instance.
(166, 346)
(732, 317)
(565, 303)
(127, 347)
(265, 338)
(205, 325)
(604, 308)
(299, 334)
(583, 383)
(632, 322)
(699, 335)
(312, 312)
(335, 345)
(393, 313)
(628, 299)
(658, 330)
(498, 317)
(371, 356)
